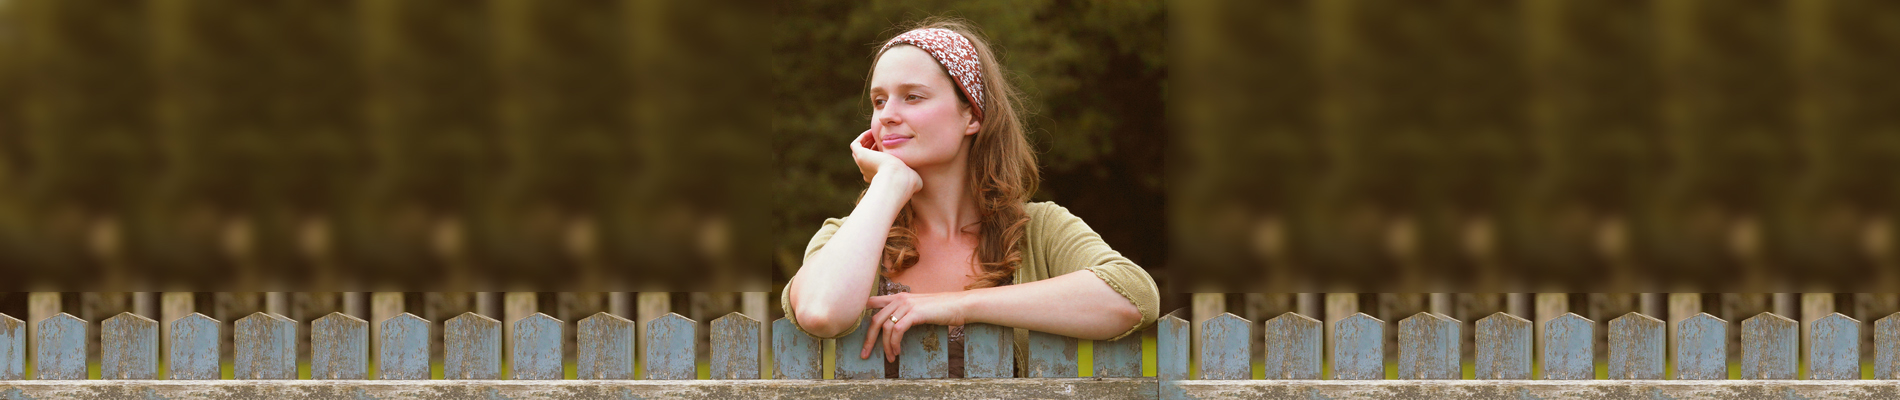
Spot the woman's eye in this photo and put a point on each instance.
(913, 97)
(878, 102)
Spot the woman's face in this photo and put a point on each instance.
(915, 104)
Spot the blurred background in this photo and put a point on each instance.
(1534, 146)
(313, 145)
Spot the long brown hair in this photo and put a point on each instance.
(1002, 174)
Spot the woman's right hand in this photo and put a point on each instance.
(872, 163)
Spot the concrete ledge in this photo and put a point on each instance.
(1014, 388)
(1520, 390)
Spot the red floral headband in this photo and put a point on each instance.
(955, 53)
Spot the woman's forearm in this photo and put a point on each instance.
(1077, 304)
(828, 293)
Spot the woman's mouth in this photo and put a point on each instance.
(893, 141)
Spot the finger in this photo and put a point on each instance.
(870, 335)
(891, 341)
(866, 139)
(895, 342)
(878, 301)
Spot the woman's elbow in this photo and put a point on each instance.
(821, 321)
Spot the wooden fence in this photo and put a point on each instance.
(266, 361)
(1429, 363)
(1297, 364)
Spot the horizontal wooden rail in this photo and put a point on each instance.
(895, 389)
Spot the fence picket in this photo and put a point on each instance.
(1172, 338)
(925, 353)
(605, 347)
(1834, 348)
(535, 348)
(128, 347)
(1769, 347)
(848, 365)
(12, 348)
(1570, 348)
(1052, 356)
(402, 353)
(1636, 347)
(989, 351)
(339, 347)
(1887, 347)
(265, 347)
(670, 348)
(735, 352)
(192, 349)
(1293, 347)
(796, 355)
(1359, 348)
(1428, 347)
(1504, 347)
(1702, 348)
(61, 349)
(471, 345)
(1226, 347)
(1120, 358)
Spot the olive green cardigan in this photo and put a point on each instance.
(1058, 243)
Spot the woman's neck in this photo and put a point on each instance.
(944, 206)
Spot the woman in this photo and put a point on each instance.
(944, 235)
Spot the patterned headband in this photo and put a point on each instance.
(955, 53)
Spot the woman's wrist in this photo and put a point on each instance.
(900, 183)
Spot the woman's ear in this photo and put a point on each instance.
(975, 124)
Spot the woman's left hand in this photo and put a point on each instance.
(898, 312)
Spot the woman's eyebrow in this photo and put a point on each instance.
(902, 86)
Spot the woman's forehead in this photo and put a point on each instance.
(905, 65)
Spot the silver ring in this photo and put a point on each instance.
(893, 319)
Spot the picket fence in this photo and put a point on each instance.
(266, 362)
(1428, 367)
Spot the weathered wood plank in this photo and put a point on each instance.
(62, 348)
(1887, 347)
(989, 351)
(12, 348)
(670, 348)
(1225, 348)
(339, 347)
(1702, 348)
(796, 355)
(1293, 347)
(1120, 358)
(735, 352)
(1540, 389)
(192, 349)
(265, 347)
(605, 347)
(402, 351)
(1834, 348)
(885, 389)
(1359, 348)
(1428, 347)
(848, 365)
(128, 347)
(1504, 347)
(471, 345)
(1769, 347)
(1172, 338)
(1636, 347)
(1052, 356)
(925, 353)
(535, 348)
(1570, 352)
